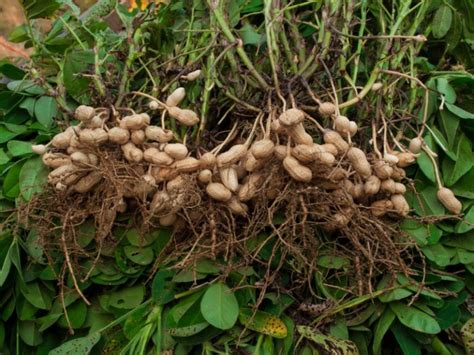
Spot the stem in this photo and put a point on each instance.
(243, 55)
(435, 166)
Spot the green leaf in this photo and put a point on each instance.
(6, 135)
(429, 202)
(29, 105)
(383, 324)
(332, 262)
(448, 315)
(75, 63)
(34, 293)
(467, 223)
(140, 256)
(127, 298)
(415, 319)
(78, 346)
(424, 162)
(263, 322)
(460, 112)
(77, 313)
(439, 254)
(19, 148)
(189, 330)
(464, 162)
(393, 295)
(328, 344)
(4, 158)
(443, 86)
(450, 125)
(219, 306)
(17, 35)
(408, 343)
(464, 187)
(29, 333)
(162, 289)
(2, 335)
(25, 86)
(33, 176)
(45, 110)
(442, 21)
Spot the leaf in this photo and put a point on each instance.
(33, 176)
(77, 313)
(467, 223)
(464, 162)
(140, 256)
(393, 295)
(383, 324)
(464, 186)
(328, 344)
(424, 162)
(450, 125)
(29, 333)
(127, 298)
(467, 334)
(78, 346)
(332, 262)
(188, 330)
(408, 344)
(25, 86)
(19, 148)
(443, 86)
(415, 319)
(45, 110)
(448, 315)
(429, 203)
(263, 322)
(439, 254)
(162, 289)
(75, 63)
(219, 306)
(460, 112)
(442, 21)
(38, 9)
(36, 296)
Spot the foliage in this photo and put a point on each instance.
(138, 301)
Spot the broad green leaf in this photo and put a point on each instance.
(249, 35)
(162, 289)
(407, 342)
(450, 124)
(29, 333)
(33, 176)
(465, 241)
(29, 105)
(45, 110)
(263, 322)
(448, 315)
(467, 333)
(6, 135)
(219, 306)
(396, 294)
(75, 63)
(464, 162)
(460, 112)
(38, 9)
(17, 35)
(133, 236)
(464, 187)
(441, 141)
(332, 262)
(467, 223)
(383, 324)
(36, 295)
(4, 158)
(77, 313)
(78, 346)
(18, 148)
(415, 319)
(188, 330)
(140, 256)
(443, 86)
(429, 202)
(328, 343)
(439, 254)
(442, 21)
(127, 298)
(424, 162)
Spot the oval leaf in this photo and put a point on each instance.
(415, 319)
(33, 176)
(79, 346)
(219, 306)
(442, 21)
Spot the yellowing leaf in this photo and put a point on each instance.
(263, 322)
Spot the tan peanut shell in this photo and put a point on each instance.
(400, 204)
(359, 162)
(389, 186)
(176, 97)
(168, 220)
(353, 128)
(39, 149)
(405, 159)
(61, 140)
(250, 186)
(132, 153)
(237, 207)
(138, 137)
(296, 170)
(55, 160)
(79, 158)
(232, 156)
(400, 188)
(262, 149)
(159, 201)
(218, 192)
(299, 134)
(415, 145)
(335, 138)
(229, 178)
(250, 163)
(327, 109)
(192, 76)
(176, 150)
(158, 134)
(205, 176)
(280, 151)
(86, 183)
(119, 135)
(382, 169)
(391, 159)
(291, 117)
(184, 116)
(84, 113)
(381, 207)
(154, 156)
(357, 191)
(187, 165)
(372, 185)
(136, 121)
(342, 124)
(208, 160)
(449, 200)
(304, 153)
(330, 148)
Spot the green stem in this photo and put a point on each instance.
(240, 51)
(124, 317)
